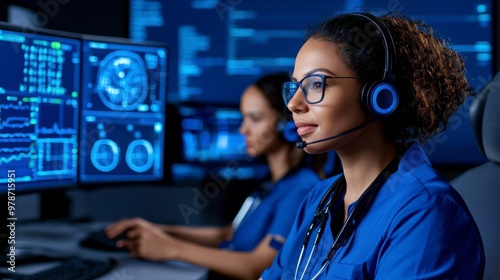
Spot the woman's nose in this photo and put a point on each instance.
(297, 103)
(243, 129)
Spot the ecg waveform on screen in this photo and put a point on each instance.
(15, 107)
(56, 130)
(15, 122)
(37, 138)
(16, 157)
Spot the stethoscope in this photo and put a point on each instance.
(321, 217)
(251, 203)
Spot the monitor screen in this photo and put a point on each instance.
(211, 134)
(211, 142)
(123, 111)
(39, 109)
(225, 45)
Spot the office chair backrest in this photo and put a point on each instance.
(484, 117)
(480, 186)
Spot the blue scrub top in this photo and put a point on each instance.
(418, 227)
(276, 213)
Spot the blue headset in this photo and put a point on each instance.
(380, 98)
(287, 131)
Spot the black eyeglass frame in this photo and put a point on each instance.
(304, 92)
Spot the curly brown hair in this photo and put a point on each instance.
(429, 76)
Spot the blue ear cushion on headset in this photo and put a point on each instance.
(379, 99)
(288, 131)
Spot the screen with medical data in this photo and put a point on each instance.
(123, 112)
(39, 109)
(225, 45)
(211, 133)
(212, 143)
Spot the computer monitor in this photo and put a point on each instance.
(123, 111)
(211, 143)
(225, 45)
(39, 109)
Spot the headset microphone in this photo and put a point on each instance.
(303, 144)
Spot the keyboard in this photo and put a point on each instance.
(100, 241)
(73, 269)
(30, 258)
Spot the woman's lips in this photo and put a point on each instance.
(248, 144)
(305, 128)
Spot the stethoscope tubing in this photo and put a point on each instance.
(350, 223)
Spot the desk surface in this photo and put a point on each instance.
(62, 239)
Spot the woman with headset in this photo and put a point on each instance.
(245, 248)
(374, 89)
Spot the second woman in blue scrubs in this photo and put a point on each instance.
(242, 250)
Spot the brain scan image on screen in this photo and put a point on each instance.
(122, 81)
(139, 155)
(105, 155)
(124, 103)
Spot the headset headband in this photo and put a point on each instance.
(390, 49)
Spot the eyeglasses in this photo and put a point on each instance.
(312, 87)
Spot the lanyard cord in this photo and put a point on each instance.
(252, 202)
